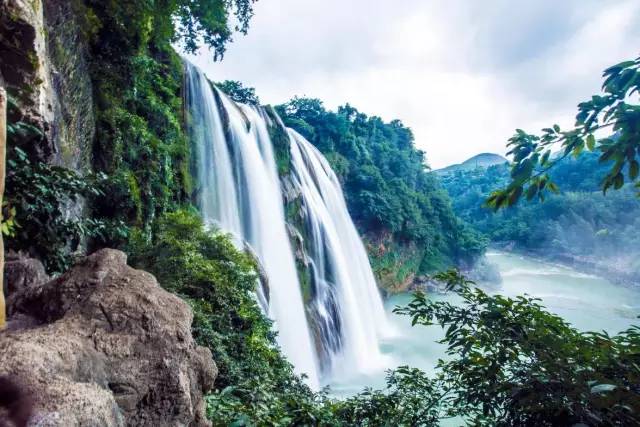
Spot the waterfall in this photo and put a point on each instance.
(347, 307)
(217, 197)
(239, 191)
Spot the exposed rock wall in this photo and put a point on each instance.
(24, 66)
(104, 345)
(43, 60)
(73, 127)
(394, 263)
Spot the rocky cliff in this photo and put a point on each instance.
(44, 66)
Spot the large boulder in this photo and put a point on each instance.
(110, 348)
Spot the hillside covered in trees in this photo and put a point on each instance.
(578, 225)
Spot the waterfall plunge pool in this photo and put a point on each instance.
(587, 302)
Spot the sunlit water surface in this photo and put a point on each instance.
(586, 301)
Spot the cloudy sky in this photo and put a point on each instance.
(463, 74)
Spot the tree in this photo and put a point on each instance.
(207, 21)
(616, 111)
(238, 92)
(189, 23)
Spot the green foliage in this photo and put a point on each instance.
(40, 197)
(616, 108)
(208, 21)
(137, 79)
(238, 92)
(410, 399)
(188, 23)
(512, 363)
(579, 223)
(280, 140)
(387, 184)
(255, 384)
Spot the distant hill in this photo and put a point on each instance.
(482, 160)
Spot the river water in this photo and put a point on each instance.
(586, 301)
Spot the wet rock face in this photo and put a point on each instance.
(73, 127)
(43, 62)
(24, 68)
(107, 347)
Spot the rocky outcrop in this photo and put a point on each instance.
(394, 263)
(106, 347)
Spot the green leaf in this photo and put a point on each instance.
(545, 157)
(620, 66)
(515, 195)
(634, 168)
(618, 181)
(591, 142)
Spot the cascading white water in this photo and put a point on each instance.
(347, 306)
(240, 191)
(217, 197)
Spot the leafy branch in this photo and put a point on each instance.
(533, 155)
(40, 200)
(512, 363)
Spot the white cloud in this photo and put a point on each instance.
(462, 74)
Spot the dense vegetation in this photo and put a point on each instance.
(511, 363)
(397, 204)
(42, 210)
(577, 224)
(255, 383)
(140, 152)
(238, 92)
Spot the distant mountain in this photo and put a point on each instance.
(482, 160)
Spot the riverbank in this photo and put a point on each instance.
(621, 269)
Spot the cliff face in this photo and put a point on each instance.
(102, 344)
(395, 264)
(44, 67)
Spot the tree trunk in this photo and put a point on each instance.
(3, 151)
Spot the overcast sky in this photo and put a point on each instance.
(463, 74)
